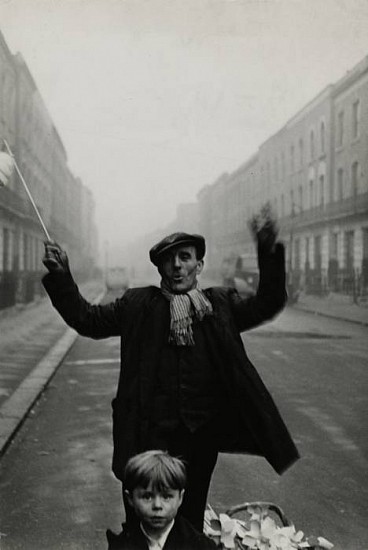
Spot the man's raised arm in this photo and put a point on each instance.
(90, 320)
(271, 294)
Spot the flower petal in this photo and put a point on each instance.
(249, 542)
(268, 527)
(255, 528)
(324, 543)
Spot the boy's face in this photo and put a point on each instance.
(154, 508)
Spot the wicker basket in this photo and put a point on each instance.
(265, 513)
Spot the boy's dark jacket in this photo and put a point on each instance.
(181, 537)
(250, 421)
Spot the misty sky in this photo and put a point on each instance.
(154, 99)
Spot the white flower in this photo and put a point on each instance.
(228, 531)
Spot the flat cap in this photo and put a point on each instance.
(177, 239)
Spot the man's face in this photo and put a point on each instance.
(155, 509)
(179, 268)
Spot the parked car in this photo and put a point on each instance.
(117, 278)
(241, 272)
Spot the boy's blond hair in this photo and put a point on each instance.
(157, 467)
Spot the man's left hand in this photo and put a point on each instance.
(264, 229)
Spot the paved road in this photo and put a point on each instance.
(316, 370)
(56, 490)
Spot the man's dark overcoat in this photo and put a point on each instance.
(249, 421)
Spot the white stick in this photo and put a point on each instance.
(27, 191)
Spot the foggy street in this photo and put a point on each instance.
(186, 146)
(57, 489)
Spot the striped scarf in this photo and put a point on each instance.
(183, 308)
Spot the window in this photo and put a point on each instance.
(300, 198)
(30, 253)
(332, 190)
(307, 250)
(311, 192)
(355, 119)
(340, 184)
(333, 246)
(354, 178)
(301, 152)
(2, 250)
(365, 244)
(349, 250)
(322, 190)
(323, 137)
(340, 128)
(25, 252)
(34, 254)
(317, 253)
(311, 144)
(7, 256)
(297, 254)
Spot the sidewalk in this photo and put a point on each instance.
(33, 341)
(335, 306)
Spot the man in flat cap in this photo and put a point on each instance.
(186, 383)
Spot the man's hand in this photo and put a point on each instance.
(264, 228)
(55, 258)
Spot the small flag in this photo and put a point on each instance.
(6, 168)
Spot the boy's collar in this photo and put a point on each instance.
(160, 541)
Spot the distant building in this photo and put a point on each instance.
(225, 208)
(348, 217)
(186, 218)
(314, 173)
(88, 231)
(137, 252)
(297, 165)
(65, 206)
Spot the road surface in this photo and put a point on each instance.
(56, 488)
